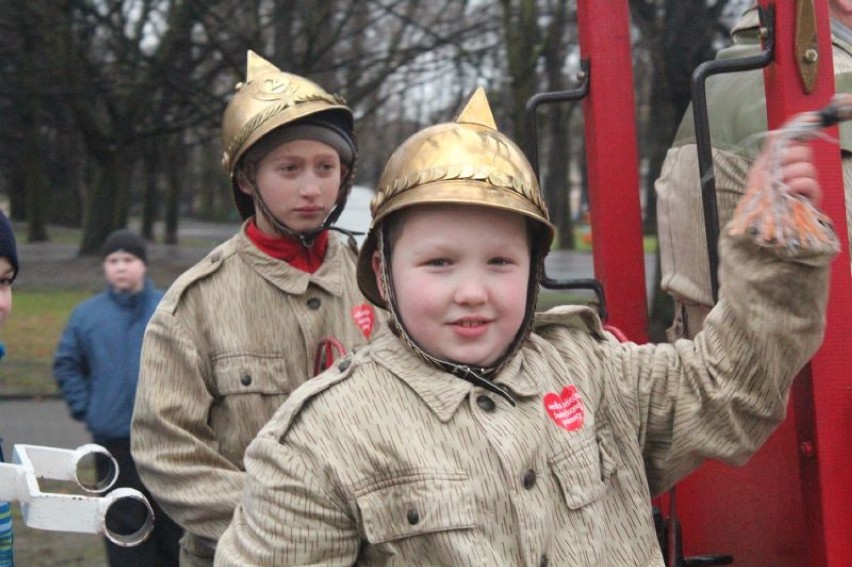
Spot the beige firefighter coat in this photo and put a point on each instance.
(737, 114)
(386, 460)
(231, 339)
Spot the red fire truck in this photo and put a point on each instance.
(791, 505)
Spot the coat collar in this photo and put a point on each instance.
(282, 275)
(442, 392)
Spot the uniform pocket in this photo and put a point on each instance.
(248, 390)
(250, 374)
(416, 505)
(584, 471)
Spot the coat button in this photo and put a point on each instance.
(529, 479)
(544, 561)
(486, 403)
(245, 379)
(344, 364)
(413, 516)
(314, 303)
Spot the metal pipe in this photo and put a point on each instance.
(702, 133)
(73, 512)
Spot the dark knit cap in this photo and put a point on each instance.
(8, 249)
(325, 128)
(124, 240)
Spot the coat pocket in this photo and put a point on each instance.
(584, 471)
(251, 374)
(417, 505)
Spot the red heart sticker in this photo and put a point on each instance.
(566, 410)
(364, 318)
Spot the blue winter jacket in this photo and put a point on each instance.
(97, 360)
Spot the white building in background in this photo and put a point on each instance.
(356, 216)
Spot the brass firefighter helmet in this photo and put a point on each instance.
(464, 162)
(268, 99)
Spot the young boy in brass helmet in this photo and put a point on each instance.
(238, 332)
(475, 432)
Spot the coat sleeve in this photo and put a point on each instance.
(71, 369)
(172, 443)
(288, 515)
(721, 395)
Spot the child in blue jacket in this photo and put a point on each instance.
(97, 367)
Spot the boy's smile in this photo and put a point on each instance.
(460, 274)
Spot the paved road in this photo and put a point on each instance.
(39, 422)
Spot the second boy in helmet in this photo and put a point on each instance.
(243, 328)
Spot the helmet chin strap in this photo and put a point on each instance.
(305, 238)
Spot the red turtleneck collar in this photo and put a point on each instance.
(306, 259)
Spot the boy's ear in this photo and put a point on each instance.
(377, 272)
(243, 182)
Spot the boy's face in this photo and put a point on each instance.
(124, 272)
(299, 182)
(7, 273)
(460, 274)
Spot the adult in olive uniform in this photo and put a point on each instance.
(460, 437)
(737, 112)
(239, 331)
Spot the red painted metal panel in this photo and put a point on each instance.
(824, 412)
(792, 504)
(755, 513)
(612, 161)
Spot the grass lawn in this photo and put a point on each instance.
(31, 335)
(583, 240)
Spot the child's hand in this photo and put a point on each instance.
(779, 208)
(794, 169)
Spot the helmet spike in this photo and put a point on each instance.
(257, 66)
(477, 110)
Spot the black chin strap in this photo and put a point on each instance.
(350, 234)
(305, 238)
(475, 377)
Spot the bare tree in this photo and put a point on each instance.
(104, 81)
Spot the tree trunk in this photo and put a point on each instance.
(555, 182)
(151, 164)
(107, 206)
(174, 173)
(35, 177)
(521, 38)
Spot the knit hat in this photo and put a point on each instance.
(8, 249)
(124, 240)
(325, 129)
